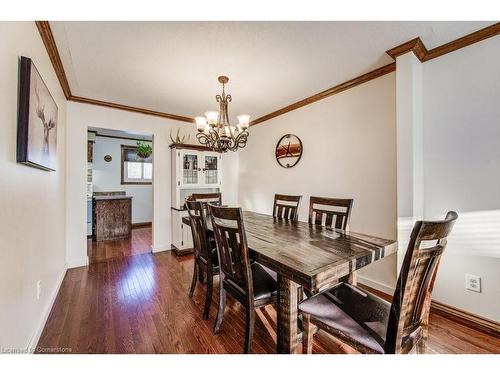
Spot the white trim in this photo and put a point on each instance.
(387, 289)
(77, 263)
(159, 249)
(36, 335)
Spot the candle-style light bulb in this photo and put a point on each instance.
(244, 121)
(201, 123)
(212, 117)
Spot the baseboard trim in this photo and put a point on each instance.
(33, 342)
(77, 263)
(377, 285)
(463, 317)
(477, 322)
(180, 252)
(141, 225)
(159, 249)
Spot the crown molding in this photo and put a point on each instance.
(51, 47)
(329, 92)
(423, 54)
(144, 111)
(415, 45)
(464, 41)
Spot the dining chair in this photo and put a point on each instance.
(286, 206)
(370, 324)
(205, 254)
(323, 210)
(247, 282)
(207, 197)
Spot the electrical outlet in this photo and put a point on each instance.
(473, 283)
(38, 289)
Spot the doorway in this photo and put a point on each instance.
(119, 193)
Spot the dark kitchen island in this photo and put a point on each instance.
(112, 217)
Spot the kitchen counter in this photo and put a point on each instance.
(111, 197)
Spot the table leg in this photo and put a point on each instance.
(287, 315)
(353, 278)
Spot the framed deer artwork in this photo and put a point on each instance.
(37, 120)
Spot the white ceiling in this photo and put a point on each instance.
(173, 66)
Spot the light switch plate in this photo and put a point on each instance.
(473, 282)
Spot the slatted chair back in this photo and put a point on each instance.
(206, 198)
(286, 206)
(199, 230)
(411, 302)
(330, 212)
(232, 246)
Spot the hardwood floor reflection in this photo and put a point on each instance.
(138, 243)
(140, 304)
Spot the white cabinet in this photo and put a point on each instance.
(198, 168)
(211, 170)
(194, 170)
(182, 239)
(190, 168)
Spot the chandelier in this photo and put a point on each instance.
(214, 129)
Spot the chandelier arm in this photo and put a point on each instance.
(241, 140)
(203, 139)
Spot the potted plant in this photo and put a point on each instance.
(143, 150)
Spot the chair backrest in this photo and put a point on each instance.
(286, 206)
(199, 230)
(232, 246)
(207, 197)
(323, 210)
(412, 298)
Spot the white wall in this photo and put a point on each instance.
(409, 130)
(230, 178)
(107, 177)
(80, 117)
(32, 218)
(461, 113)
(349, 145)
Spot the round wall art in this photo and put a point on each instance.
(288, 150)
(108, 158)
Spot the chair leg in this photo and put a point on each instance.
(222, 305)
(307, 334)
(250, 322)
(195, 278)
(208, 296)
(421, 345)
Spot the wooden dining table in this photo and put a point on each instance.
(306, 255)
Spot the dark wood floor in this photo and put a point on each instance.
(139, 304)
(138, 243)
